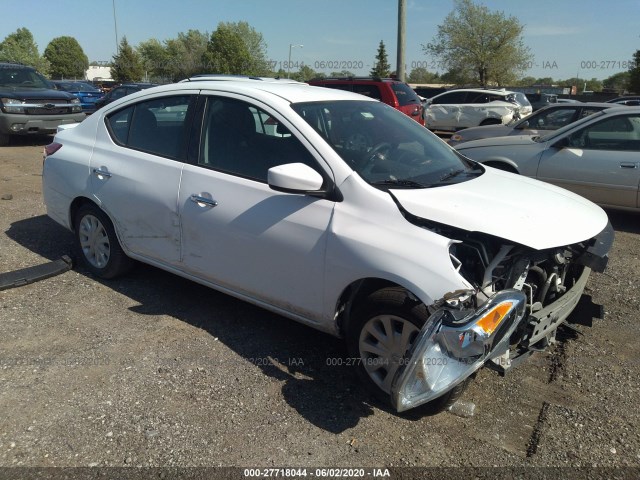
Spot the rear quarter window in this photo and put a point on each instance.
(404, 94)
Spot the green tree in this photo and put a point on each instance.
(456, 77)
(155, 59)
(479, 44)
(381, 67)
(544, 81)
(634, 73)
(21, 48)
(66, 57)
(618, 82)
(127, 65)
(422, 75)
(305, 74)
(236, 48)
(185, 54)
(342, 73)
(526, 81)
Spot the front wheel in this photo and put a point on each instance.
(382, 330)
(97, 243)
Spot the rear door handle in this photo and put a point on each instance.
(200, 200)
(628, 165)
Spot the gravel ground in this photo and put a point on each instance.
(155, 371)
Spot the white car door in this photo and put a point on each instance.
(135, 174)
(600, 161)
(444, 110)
(236, 231)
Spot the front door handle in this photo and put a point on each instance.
(200, 200)
(100, 173)
(628, 165)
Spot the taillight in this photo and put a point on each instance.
(50, 150)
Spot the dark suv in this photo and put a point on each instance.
(122, 91)
(388, 90)
(29, 104)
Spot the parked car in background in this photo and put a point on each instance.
(597, 157)
(629, 100)
(87, 93)
(397, 94)
(428, 264)
(122, 91)
(472, 107)
(428, 92)
(567, 100)
(541, 100)
(29, 105)
(540, 122)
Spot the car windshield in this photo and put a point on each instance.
(22, 78)
(385, 147)
(557, 133)
(77, 87)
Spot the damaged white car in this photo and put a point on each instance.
(474, 107)
(336, 211)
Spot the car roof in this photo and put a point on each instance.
(293, 92)
(563, 105)
(355, 80)
(241, 78)
(499, 91)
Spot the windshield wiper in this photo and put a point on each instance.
(451, 174)
(400, 183)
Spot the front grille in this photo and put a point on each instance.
(54, 106)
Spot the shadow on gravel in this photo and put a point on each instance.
(317, 380)
(30, 140)
(624, 221)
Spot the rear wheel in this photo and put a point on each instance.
(97, 243)
(383, 329)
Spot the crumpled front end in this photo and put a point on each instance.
(520, 297)
(452, 346)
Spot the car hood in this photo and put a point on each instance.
(510, 140)
(486, 131)
(35, 93)
(516, 208)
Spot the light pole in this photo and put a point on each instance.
(115, 24)
(291, 45)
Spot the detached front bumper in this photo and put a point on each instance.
(447, 351)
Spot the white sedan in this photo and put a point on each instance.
(336, 211)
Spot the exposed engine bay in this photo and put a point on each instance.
(491, 265)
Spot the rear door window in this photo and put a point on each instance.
(158, 126)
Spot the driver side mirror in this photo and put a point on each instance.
(523, 125)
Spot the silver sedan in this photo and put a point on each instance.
(597, 157)
(540, 122)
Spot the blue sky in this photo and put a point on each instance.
(587, 38)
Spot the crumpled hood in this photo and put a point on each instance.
(516, 208)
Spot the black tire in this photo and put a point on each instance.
(97, 244)
(4, 140)
(388, 311)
